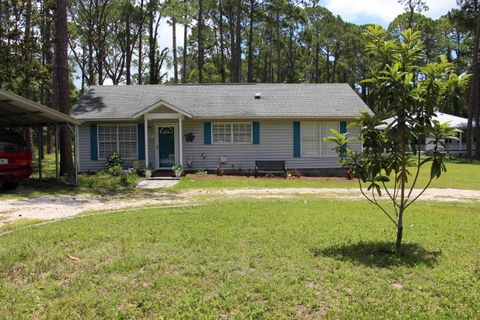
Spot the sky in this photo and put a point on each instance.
(381, 11)
(356, 11)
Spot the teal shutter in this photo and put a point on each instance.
(256, 132)
(343, 126)
(343, 129)
(141, 141)
(296, 139)
(93, 142)
(207, 132)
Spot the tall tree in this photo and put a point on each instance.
(201, 57)
(222, 43)
(411, 6)
(471, 9)
(250, 40)
(62, 101)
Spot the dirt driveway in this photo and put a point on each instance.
(50, 207)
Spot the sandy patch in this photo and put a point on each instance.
(156, 184)
(50, 208)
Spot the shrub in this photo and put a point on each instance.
(115, 170)
(114, 160)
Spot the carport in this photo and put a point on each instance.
(18, 112)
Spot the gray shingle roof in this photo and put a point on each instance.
(222, 101)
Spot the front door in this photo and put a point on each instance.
(166, 146)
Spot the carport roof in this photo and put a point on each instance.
(16, 111)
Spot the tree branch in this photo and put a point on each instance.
(375, 202)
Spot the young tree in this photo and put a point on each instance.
(413, 93)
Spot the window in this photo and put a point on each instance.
(117, 138)
(232, 132)
(312, 134)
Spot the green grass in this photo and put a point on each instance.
(458, 176)
(97, 184)
(302, 258)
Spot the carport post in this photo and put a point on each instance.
(40, 151)
(56, 153)
(75, 157)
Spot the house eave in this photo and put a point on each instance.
(160, 103)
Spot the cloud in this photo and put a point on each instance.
(381, 11)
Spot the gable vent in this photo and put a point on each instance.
(258, 95)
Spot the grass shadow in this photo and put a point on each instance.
(380, 254)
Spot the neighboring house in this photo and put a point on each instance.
(455, 122)
(205, 126)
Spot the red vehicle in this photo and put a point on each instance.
(15, 159)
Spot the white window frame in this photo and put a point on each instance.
(116, 140)
(231, 132)
(321, 152)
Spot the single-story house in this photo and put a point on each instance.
(211, 125)
(455, 122)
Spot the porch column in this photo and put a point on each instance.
(76, 155)
(180, 140)
(146, 141)
(40, 151)
(56, 152)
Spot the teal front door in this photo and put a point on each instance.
(166, 147)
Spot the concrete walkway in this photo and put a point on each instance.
(157, 183)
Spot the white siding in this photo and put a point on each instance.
(276, 143)
(84, 155)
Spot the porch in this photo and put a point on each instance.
(163, 140)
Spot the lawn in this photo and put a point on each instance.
(272, 259)
(458, 176)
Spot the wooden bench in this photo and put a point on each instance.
(269, 167)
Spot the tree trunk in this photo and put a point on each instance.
(61, 84)
(200, 41)
(238, 42)
(152, 46)
(279, 47)
(222, 44)
(398, 243)
(140, 44)
(265, 66)
(185, 53)
(250, 43)
(128, 50)
(174, 49)
(233, 52)
(317, 63)
(91, 65)
(328, 66)
(474, 86)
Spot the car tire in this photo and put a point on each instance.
(11, 185)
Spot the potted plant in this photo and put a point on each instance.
(178, 170)
(148, 173)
